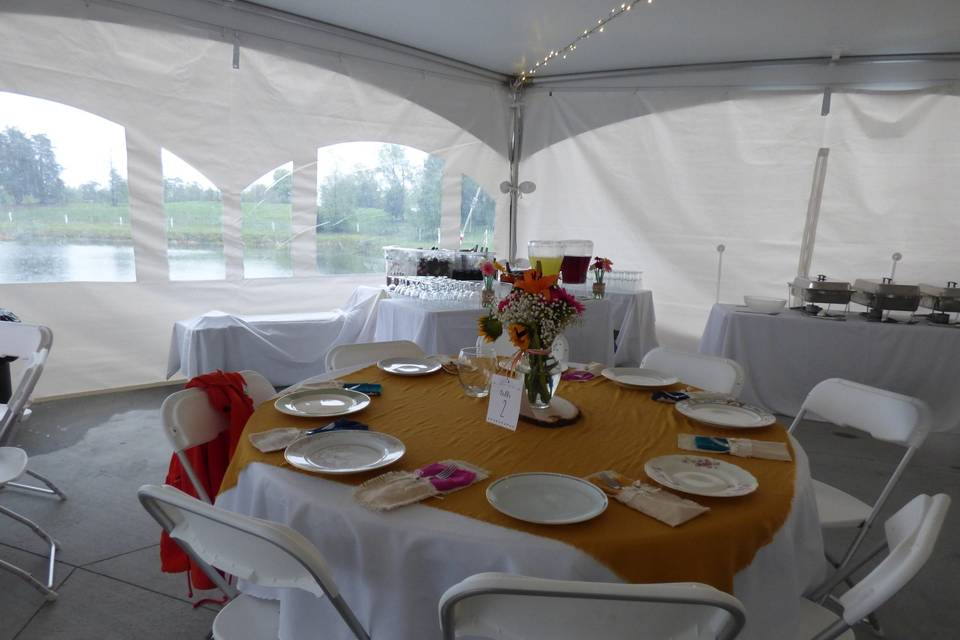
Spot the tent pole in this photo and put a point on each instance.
(516, 143)
(813, 213)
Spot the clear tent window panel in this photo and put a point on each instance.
(64, 214)
(371, 195)
(193, 213)
(478, 212)
(267, 229)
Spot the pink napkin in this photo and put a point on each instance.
(577, 375)
(460, 478)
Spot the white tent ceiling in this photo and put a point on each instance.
(507, 35)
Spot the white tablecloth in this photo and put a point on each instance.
(445, 327)
(393, 567)
(286, 348)
(787, 354)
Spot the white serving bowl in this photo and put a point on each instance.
(762, 304)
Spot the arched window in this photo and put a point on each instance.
(477, 215)
(194, 222)
(373, 194)
(267, 213)
(63, 195)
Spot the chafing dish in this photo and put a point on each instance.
(885, 295)
(944, 299)
(821, 290)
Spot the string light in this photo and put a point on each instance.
(570, 48)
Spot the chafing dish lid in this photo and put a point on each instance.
(949, 291)
(885, 287)
(820, 283)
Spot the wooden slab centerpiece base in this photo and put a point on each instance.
(560, 413)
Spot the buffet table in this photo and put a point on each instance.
(785, 355)
(393, 566)
(447, 327)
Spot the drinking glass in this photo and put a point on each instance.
(475, 368)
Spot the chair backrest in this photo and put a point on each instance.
(512, 606)
(710, 373)
(30, 342)
(882, 414)
(188, 420)
(257, 387)
(911, 534)
(261, 552)
(349, 355)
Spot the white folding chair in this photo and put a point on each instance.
(883, 415)
(911, 534)
(499, 605)
(189, 420)
(351, 355)
(261, 552)
(710, 373)
(32, 343)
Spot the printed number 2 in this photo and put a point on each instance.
(503, 408)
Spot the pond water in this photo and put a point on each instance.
(52, 262)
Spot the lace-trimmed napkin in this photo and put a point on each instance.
(743, 447)
(283, 437)
(650, 500)
(398, 488)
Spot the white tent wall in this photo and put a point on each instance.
(892, 186)
(677, 173)
(174, 87)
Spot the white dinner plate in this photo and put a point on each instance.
(636, 378)
(701, 476)
(546, 498)
(410, 366)
(322, 402)
(723, 411)
(346, 451)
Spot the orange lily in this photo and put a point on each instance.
(536, 284)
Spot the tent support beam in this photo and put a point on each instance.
(516, 145)
(563, 78)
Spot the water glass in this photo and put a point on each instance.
(475, 368)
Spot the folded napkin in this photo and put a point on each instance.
(398, 488)
(650, 499)
(743, 447)
(283, 437)
(582, 373)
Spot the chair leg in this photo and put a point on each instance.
(49, 593)
(42, 534)
(54, 489)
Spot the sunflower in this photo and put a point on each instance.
(519, 336)
(489, 327)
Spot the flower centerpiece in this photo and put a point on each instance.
(533, 314)
(600, 267)
(489, 271)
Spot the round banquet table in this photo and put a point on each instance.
(392, 567)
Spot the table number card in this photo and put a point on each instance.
(505, 396)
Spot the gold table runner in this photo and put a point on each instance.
(619, 429)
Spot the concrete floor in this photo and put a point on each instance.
(99, 449)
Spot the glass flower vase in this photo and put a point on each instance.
(541, 377)
(599, 289)
(488, 297)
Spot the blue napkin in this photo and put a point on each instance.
(706, 443)
(343, 424)
(369, 388)
(670, 397)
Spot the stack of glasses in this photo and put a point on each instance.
(437, 288)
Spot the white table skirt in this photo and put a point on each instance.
(786, 355)
(444, 327)
(393, 567)
(286, 348)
